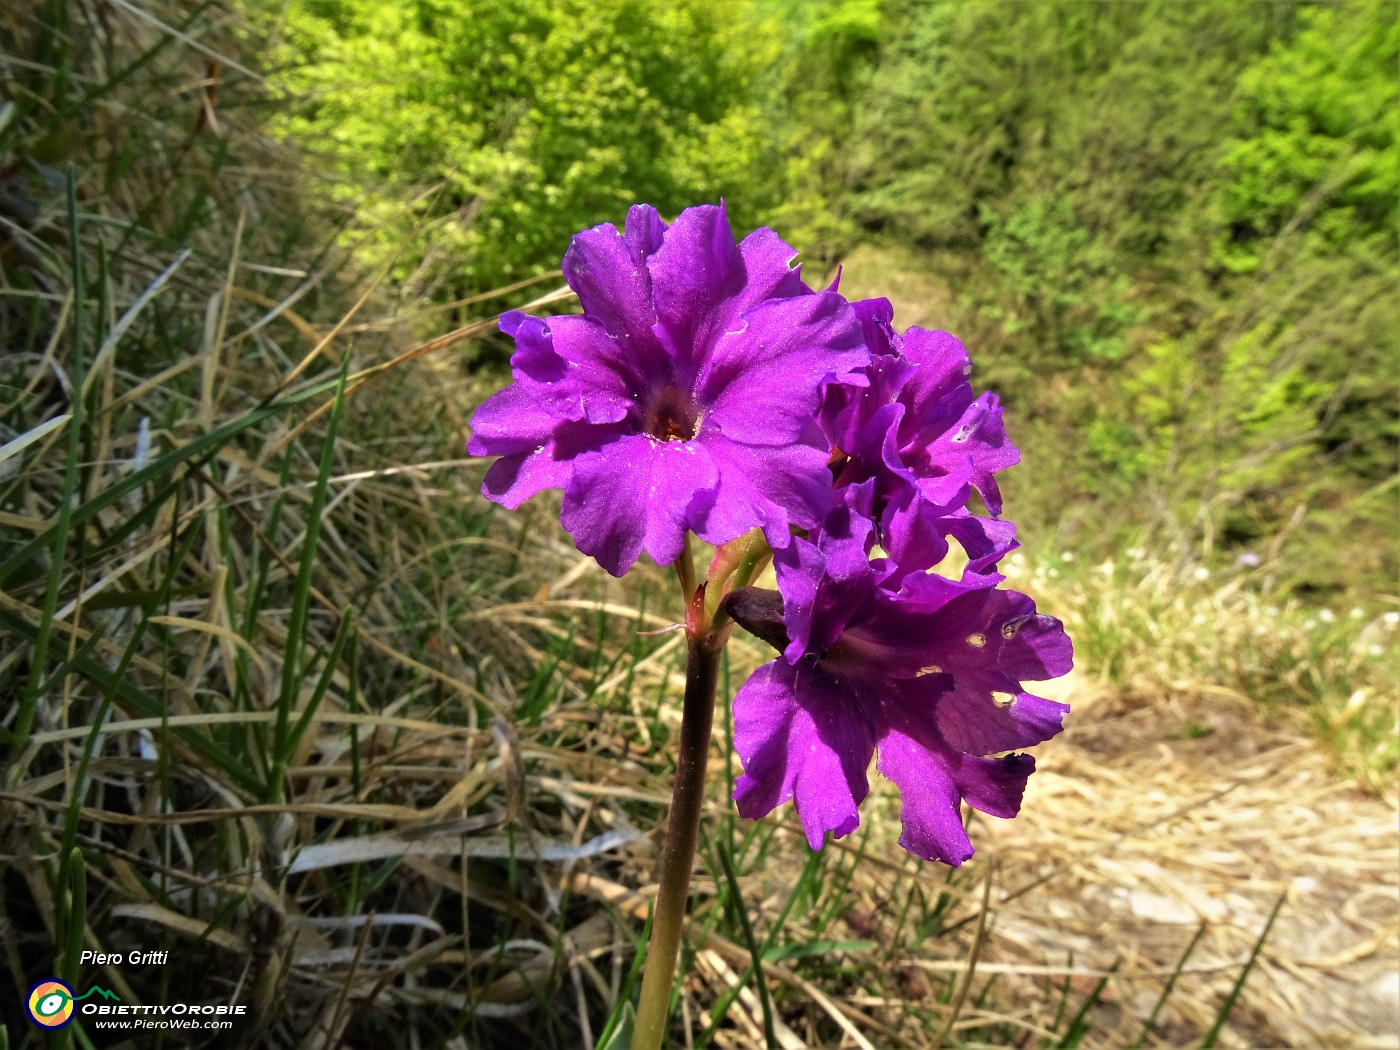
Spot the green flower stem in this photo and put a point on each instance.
(704, 645)
(685, 571)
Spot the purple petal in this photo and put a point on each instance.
(571, 367)
(514, 425)
(929, 814)
(798, 568)
(534, 354)
(872, 442)
(696, 269)
(509, 421)
(933, 778)
(768, 271)
(913, 531)
(979, 438)
(943, 368)
(972, 726)
(761, 385)
(876, 322)
(850, 401)
(771, 488)
(802, 735)
(988, 642)
(849, 579)
(827, 583)
(637, 494)
(994, 786)
(918, 520)
(604, 377)
(1021, 643)
(898, 635)
(515, 478)
(986, 540)
(611, 279)
(644, 231)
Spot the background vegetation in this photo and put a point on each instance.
(1168, 229)
(280, 693)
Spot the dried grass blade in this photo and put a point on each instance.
(494, 847)
(19, 444)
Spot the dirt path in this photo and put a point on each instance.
(1151, 818)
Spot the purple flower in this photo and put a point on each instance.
(683, 398)
(910, 422)
(925, 671)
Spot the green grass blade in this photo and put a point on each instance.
(617, 1033)
(141, 701)
(1167, 989)
(75, 879)
(70, 897)
(206, 445)
(1079, 1024)
(64, 669)
(756, 966)
(57, 537)
(1228, 1005)
(78, 792)
(289, 746)
(301, 593)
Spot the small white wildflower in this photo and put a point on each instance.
(1136, 553)
(1391, 618)
(1067, 556)
(1309, 624)
(1198, 619)
(141, 455)
(1271, 610)
(1376, 649)
(1053, 573)
(1356, 613)
(1201, 573)
(1326, 616)
(146, 745)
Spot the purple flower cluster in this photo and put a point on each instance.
(683, 398)
(705, 388)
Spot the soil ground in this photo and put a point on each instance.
(1153, 817)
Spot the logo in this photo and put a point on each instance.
(51, 1002)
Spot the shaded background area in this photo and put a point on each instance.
(389, 766)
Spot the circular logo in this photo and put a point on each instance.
(50, 1004)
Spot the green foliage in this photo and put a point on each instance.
(1170, 229)
(1307, 209)
(1065, 143)
(810, 105)
(477, 140)
(1061, 284)
(1315, 141)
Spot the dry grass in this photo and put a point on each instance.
(388, 767)
(1168, 626)
(1135, 836)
